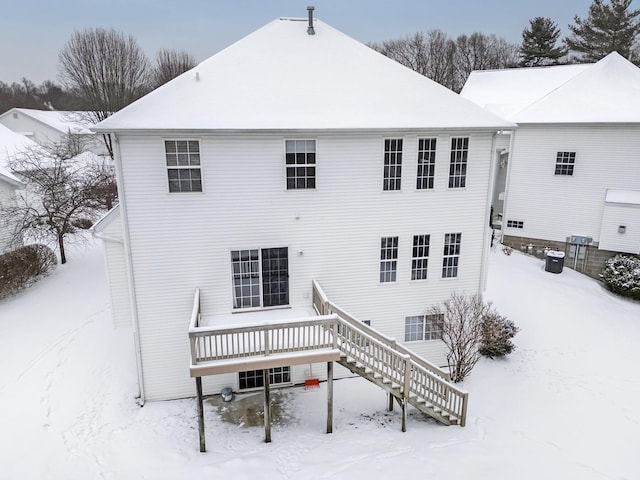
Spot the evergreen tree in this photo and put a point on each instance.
(539, 43)
(608, 28)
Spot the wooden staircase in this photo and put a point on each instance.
(405, 376)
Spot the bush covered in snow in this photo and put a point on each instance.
(497, 332)
(22, 266)
(621, 275)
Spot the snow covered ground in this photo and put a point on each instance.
(563, 405)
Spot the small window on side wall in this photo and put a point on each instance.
(183, 165)
(565, 161)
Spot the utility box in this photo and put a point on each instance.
(554, 261)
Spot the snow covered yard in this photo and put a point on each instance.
(564, 405)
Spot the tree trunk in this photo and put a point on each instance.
(63, 257)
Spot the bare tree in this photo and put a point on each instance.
(170, 64)
(462, 328)
(429, 54)
(108, 69)
(60, 193)
(446, 61)
(482, 52)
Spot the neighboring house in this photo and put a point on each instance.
(51, 126)
(573, 179)
(289, 158)
(10, 144)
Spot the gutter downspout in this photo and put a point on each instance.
(488, 232)
(128, 259)
(506, 185)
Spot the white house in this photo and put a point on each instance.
(573, 178)
(285, 159)
(10, 144)
(51, 126)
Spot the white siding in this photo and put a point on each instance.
(614, 216)
(181, 241)
(553, 207)
(7, 195)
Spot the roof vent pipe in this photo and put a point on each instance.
(310, 30)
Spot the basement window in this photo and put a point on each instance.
(423, 327)
(515, 224)
(255, 379)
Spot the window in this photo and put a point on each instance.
(420, 257)
(260, 277)
(423, 327)
(388, 259)
(451, 255)
(392, 164)
(255, 378)
(300, 159)
(183, 165)
(458, 165)
(515, 224)
(426, 163)
(565, 162)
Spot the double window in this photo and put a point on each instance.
(300, 159)
(420, 257)
(255, 378)
(388, 259)
(183, 165)
(565, 161)
(426, 163)
(451, 254)
(392, 164)
(458, 164)
(423, 327)
(260, 277)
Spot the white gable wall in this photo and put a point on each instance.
(39, 132)
(182, 241)
(553, 207)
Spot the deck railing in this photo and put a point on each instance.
(334, 328)
(380, 354)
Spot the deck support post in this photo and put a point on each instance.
(389, 402)
(200, 414)
(267, 406)
(403, 402)
(329, 397)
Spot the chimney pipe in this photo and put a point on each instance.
(310, 30)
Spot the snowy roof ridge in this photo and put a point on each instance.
(607, 91)
(281, 78)
(64, 121)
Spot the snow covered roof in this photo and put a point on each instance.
(63, 121)
(279, 77)
(604, 92)
(12, 143)
(631, 197)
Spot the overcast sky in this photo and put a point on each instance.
(32, 32)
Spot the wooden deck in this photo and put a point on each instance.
(332, 336)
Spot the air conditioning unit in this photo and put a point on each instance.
(580, 240)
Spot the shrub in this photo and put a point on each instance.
(19, 268)
(497, 332)
(621, 275)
